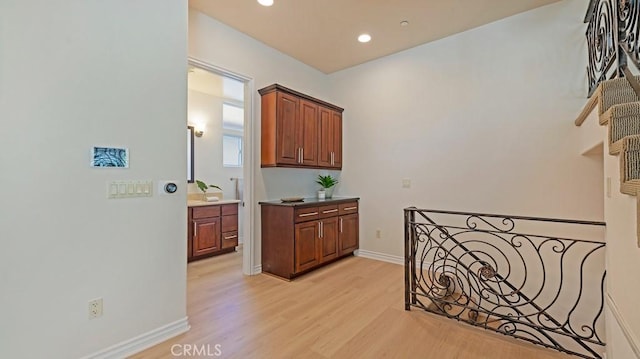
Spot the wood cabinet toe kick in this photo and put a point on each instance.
(298, 238)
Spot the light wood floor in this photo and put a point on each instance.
(351, 309)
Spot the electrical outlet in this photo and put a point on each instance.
(378, 233)
(95, 308)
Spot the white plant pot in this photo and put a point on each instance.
(329, 192)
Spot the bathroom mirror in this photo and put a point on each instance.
(190, 176)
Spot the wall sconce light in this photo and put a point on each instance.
(198, 132)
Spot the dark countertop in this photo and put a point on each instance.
(311, 201)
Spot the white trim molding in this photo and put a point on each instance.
(624, 326)
(257, 269)
(144, 341)
(380, 256)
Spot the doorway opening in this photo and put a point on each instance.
(220, 110)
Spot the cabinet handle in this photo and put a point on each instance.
(330, 211)
(350, 208)
(340, 225)
(302, 155)
(333, 158)
(231, 237)
(195, 230)
(308, 214)
(299, 156)
(319, 229)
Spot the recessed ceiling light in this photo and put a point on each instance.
(404, 23)
(364, 38)
(265, 2)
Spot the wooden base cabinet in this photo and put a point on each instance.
(300, 237)
(212, 230)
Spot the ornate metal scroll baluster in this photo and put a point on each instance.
(612, 37)
(485, 273)
(628, 12)
(601, 42)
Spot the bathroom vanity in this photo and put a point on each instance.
(212, 228)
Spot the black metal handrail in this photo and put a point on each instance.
(482, 271)
(612, 38)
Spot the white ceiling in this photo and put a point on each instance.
(322, 33)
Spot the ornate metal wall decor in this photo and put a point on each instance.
(483, 270)
(612, 38)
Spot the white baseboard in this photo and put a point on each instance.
(380, 256)
(257, 269)
(632, 340)
(144, 341)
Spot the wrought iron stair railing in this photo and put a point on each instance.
(612, 39)
(477, 268)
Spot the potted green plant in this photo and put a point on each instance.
(204, 187)
(327, 183)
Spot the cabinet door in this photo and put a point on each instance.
(288, 135)
(329, 239)
(306, 245)
(206, 236)
(308, 133)
(348, 238)
(336, 144)
(325, 138)
(330, 138)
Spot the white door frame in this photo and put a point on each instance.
(248, 170)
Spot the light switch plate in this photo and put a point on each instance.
(129, 189)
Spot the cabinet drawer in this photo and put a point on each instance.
(347, 208)
(306, 214)
(206, 211)
(228, 209)
(328, 211)
(229, 223)
(229, 239)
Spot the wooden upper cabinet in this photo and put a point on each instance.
(299, 130)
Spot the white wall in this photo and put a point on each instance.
(74, 74)
(208, 167)
(623, 262)
(217, 44)
(480, 121)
